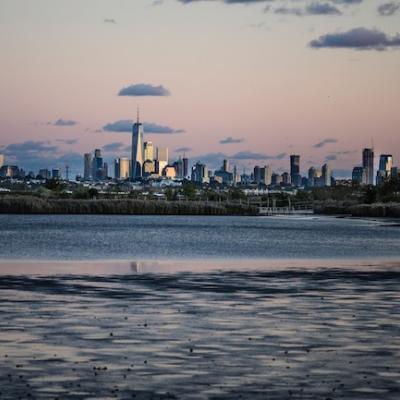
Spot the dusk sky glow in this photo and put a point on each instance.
(253, 81)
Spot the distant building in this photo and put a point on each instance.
(359, 176)
(225, 166)
(56, 173)
(44, 174)
(295, 176)
(368, 165)
(286, 178)
(266, 175)
(169, 172)
(256, 174)
(137, 149)
(148, 151)
(326, 175)
(87, 171)
(99, 168)
(178, 165)
(2, 160)
(385, 168)
(122, 168)
(148, 168)
(162, 159)
(200, 173)
(185, 161)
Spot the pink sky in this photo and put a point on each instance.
(232, 70)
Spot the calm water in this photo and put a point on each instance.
(101, 307)
(150, 237)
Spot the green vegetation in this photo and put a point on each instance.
(34, 205)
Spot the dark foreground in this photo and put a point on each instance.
(299, 334)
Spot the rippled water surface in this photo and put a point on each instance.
(302, 334)
(126, 237)
(198, 308)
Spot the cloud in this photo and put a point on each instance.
(67, 141)
(109, 21)
(347, 2)
(345, 152)
(225, 1)
(213, 160)
(63, 122)
(183, 150)
(149, 127)
(388, 9)
(144, 89)
(249, 155)
(322, 143)
(30, 146)
(114, 146)
(311, 9)
(357, 39)
(34, 155)
(331, 157)
(230, 140)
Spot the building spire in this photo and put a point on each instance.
(137, 115)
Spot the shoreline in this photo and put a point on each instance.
(105, 267)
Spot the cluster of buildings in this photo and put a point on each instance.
(364, 174)
(146, 162)
(150, 163)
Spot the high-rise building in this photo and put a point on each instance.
(44, 174)
(359, 176)
(148, 168)
(116, 168)
(368, 165)
(225, 166)
(386, 163)
(286, 178)
(266, 175)
(295, 176)
(122, 168)
(1, 160)
(162, 159)
(87, 172)
(97, 166)
(148, 151)
(312, 174)
(137, 149)
(56, 173)
(326, 175)
(185, 166)
(178, 165)
(200, 173)
(256, 174)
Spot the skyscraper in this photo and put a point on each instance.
(122, 168)
(148, 151)
(185, 166)
(266, 175)
(359, 176)
(368, 165)
(97, 166)
(1, 160)
(326, 175)
(385, 168)
(225, 166)
(87, 166)
(162, 159)
(295, 176)
(137, 149)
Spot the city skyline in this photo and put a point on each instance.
(288, 91)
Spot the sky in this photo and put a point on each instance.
(252, 81)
